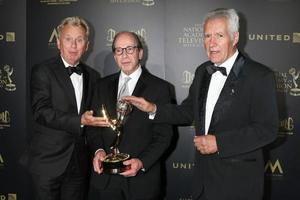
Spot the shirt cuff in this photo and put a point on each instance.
(152, 114)
(98, 151)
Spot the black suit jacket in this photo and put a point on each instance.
(141, 138)
(245, 119)
(56, 123)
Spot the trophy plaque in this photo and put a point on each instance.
(113, 162)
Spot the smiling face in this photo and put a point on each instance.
(127, 62)
(72, 43)
(218, 43)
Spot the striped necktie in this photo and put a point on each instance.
(124, 91)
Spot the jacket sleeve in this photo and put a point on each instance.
(94, 136)
(44, 112)
(182, 114)
(161, 134)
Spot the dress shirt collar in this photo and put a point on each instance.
(228, 64)
(134, 76)
(67, 64)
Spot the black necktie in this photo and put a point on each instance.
(212, 69)
(76, 70)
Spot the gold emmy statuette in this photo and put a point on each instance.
(113, 162)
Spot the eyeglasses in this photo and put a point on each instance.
(129, 50)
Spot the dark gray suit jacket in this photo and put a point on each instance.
(245, 119)
(56, 122)
(141, 138)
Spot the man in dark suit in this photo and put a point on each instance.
(61, 90)
(144, 141)
(232, 101)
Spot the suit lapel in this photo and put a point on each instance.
(228, 93)
(140, 85)
(112, 96)
(201, 95)
(64, 79)
(86, 92)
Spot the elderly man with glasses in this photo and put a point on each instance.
(143, 140)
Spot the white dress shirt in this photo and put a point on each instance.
(77, 82)
(215, 87)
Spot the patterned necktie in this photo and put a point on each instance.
(124, 91)
(76, 70)
(212, 69)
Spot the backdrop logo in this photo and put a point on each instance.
(296, 37)
(52, 39)
(273, 169)
(295, 90)
(184, 166)
(191, 36)
(9, 196)
(147, 3)
(1, 162)
(57, 2)
(187, 79)
(8, 37)
(4, 120)
(286, 127)
(6, 81)
(293, 37)
(287, 82)
(110, 34)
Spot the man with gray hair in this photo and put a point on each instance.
(232, 101)
(61, 92)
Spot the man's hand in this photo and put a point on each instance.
(206, 144)
(134, 165)
(97, 161)
(88, 119)
(141, 103)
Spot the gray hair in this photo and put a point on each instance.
(74, 21)
(231, 16)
